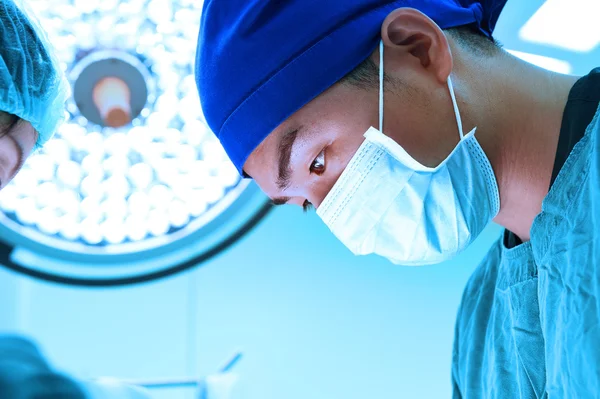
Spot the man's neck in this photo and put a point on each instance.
(520, 125)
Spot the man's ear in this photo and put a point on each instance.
(413, 33)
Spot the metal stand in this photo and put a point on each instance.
(185, 382)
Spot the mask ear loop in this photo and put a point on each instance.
(381, 86)
(456, 111)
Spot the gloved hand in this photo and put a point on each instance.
(25, 374)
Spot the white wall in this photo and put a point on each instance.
(312, 320)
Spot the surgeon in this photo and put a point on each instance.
(409, 129)
(33, 88)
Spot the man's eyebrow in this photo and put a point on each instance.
(280, 200)
(286, 144)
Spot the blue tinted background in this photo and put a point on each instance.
(312, 320)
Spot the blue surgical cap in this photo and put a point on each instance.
(32, 84)
(259, 61)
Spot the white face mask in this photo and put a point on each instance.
(387, 203)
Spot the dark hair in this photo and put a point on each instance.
(366, 74)
(7, 122)
(472, 39)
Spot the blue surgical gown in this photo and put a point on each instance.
(529, 322)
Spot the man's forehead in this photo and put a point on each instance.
(262, 158)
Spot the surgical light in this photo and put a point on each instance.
(135, 162)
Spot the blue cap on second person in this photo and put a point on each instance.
(33, 85)
(259, 61)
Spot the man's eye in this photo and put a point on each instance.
(307, 206)
(318, 165)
